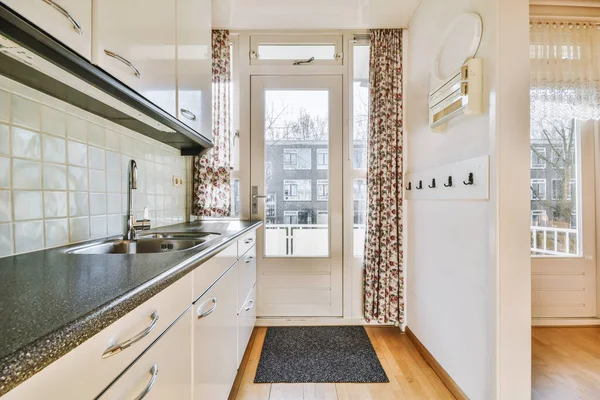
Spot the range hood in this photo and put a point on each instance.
(33, 58)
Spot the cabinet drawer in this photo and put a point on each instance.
(163, 372)
(246, 275)
(209, 271)
(85, 372)
(246, 242)
(68, 21)
(246, 322)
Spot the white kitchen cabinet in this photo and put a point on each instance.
(162, 372)
(246, 322)
(215, 339)
(69, 21)
(135, 42)
(205, 275)
(246, 275)
(194, 65)
(84, 370)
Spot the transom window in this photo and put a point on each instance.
(296, 50)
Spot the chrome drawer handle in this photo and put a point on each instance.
(249, 305)
(119, 347)
(208, 312)
(67, 15)
(148, 388)
(124, 61)
(249, 240)
(248, 260)
(188, 114)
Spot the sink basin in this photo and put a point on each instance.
(180, 235)
(140, 246)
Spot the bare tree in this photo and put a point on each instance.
(558, 138)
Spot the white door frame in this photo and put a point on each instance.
(282, 302)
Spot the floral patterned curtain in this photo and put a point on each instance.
(211, 192)
(383, 278)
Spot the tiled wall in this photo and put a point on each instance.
(63, 173)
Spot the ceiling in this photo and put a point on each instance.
(311, 14)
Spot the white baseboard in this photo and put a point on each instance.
(565, 322)
(316, 321)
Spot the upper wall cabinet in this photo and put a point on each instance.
(194, 65)
(135, 41)
(69, 21)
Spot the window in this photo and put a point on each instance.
(297, 190)
(322, 217)
(322, 158)
(290, 159)
(268, 170)
(286, 49)
(290, 217)
(235, 198)
(360, 201)
(360, 105)
(558, 190)
(271, 206)
(538, 217)
(538, 158)
(322, 190)
(360, 156)
(538, 189)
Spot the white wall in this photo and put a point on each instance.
(468, 296)
(63, 173)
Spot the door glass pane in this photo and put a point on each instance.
(555, 188)
(360, 101)
(359, 195)
(296, 173)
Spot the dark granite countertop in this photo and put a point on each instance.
(51, 301)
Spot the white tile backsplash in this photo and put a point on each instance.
(25, 143)
(27, 205)
(63, 174)
(26, 174)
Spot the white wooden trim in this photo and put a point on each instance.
(315, 322)
(565, 322)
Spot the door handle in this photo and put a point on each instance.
(255, 197)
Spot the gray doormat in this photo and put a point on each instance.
(319, 354)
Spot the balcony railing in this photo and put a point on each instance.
(304, 240)
(549, 241)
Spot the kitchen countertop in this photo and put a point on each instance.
(51, 301)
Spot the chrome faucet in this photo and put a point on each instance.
(131, 234)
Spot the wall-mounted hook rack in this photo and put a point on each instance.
(449, 184)
(409, 187)
(420, 185)
(432, 186)
(470, 181)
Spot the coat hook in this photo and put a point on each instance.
(420, 185)
(449, 184)
(432, 186)
(470, 181)
(409, 187)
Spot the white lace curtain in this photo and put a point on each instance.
(565, 71)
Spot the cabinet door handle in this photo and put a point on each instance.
(148, 388)
(249, 240)
(188, 114)
(248, 260)
(124, 61)
(207, 312)
(250, 305)
(119, 347)
(67, 15)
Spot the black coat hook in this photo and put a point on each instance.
(420, 185)
(470, 181)
(409, 187)
(432, 186)
(449, 184)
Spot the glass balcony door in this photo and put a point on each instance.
(563, 221)
(296, 163)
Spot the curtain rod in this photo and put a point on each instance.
(564, 13)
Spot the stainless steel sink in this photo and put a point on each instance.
(206, 236)
(139, 246)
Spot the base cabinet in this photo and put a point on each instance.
(215, 339)
(246, 322)
(163, 371)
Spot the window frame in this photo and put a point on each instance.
(538, 166)
(290, 214)
(539, 181)
(290, 166)
(537, 213)
(323, 183)
(320, 152)
(296, 183)
(297, 40)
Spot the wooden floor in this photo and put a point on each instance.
(410, 376)
(566, 363)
